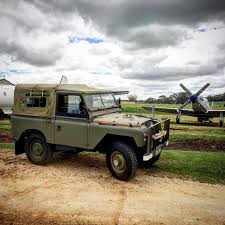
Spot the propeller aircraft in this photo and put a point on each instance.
(200, 107)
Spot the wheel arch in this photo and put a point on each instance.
(111, 138)
(19, 144)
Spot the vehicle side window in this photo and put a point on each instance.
(36, 102)
(70, 105)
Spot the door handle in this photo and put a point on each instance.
(49, 120)
(59, 128)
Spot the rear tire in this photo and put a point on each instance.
(37, 150)
(121, 161)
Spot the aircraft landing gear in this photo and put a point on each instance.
(178, 118)
(221, 123)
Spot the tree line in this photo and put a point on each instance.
(181, 97)
(177, 98)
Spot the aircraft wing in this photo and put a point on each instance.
(120, 92)
(216, 113)
(169, 110)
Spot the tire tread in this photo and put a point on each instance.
(49, 152)
(128, 153)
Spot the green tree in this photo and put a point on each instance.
(132, 97)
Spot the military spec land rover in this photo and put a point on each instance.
(65, 117)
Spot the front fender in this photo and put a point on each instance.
(97, 132)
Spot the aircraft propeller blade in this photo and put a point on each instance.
(186, 103)
(202, 89)
(186, 90)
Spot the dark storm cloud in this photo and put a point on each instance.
(155, 85)
(193, 69)
(24, 14)
(132, 13)
(175, 73)
(221, 47)
(153, 37)
(122, 18)
(136, 24)
(193, 62)
(20, 24)
(36, 57)
(219, 84)
(127, 62)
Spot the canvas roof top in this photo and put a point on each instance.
(62, 87)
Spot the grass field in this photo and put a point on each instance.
(188, 164)
(179, 135)
(201, 166)
(5, 125)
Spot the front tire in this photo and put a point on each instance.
(121, 161)
(37, 150)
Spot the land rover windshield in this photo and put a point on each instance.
(97, 102)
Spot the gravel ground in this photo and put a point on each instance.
(79, 189)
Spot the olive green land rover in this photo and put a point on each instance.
(48, 118)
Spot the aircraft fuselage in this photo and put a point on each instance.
(197, 107)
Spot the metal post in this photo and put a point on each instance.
(153, 112)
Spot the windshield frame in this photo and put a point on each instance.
(102, 102)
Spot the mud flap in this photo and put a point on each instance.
(19, 147)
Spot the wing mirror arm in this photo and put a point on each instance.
(88, 110)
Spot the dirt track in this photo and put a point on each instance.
(80, 190)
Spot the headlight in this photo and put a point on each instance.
(145, 137)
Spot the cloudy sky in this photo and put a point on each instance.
(147, 47)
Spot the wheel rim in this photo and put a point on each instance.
(118, 162)
(36, 150)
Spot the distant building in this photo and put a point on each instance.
(6, 82)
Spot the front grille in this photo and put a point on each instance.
(158, 134)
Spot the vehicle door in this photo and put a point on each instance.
(71, 123)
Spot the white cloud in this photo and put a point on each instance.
(149, 47)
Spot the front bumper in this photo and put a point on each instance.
(155, 152)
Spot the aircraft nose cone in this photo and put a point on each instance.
(193, 98)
